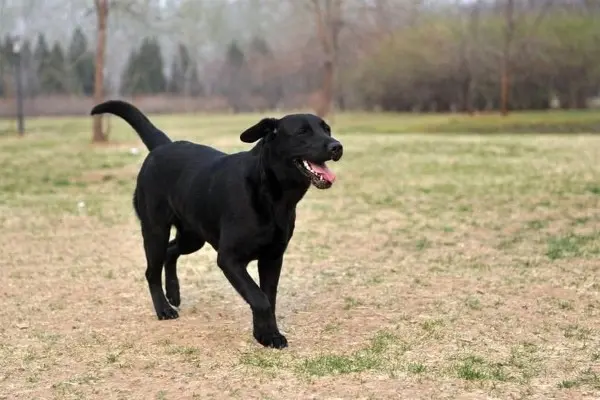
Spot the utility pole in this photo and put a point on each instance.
(18, 38)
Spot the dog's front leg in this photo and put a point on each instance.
(264, 324)
(269, 270)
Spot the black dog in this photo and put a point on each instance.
(242, 204)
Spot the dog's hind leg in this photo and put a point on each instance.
(184, 243)
(155, 245)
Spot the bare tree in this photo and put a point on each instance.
(328, 18)
(509, 35)
(99, 135)
(468, 46)
(515, 36)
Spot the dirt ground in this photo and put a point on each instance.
(437, 267)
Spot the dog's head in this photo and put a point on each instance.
(301, 141)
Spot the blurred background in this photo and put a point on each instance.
(256, 55)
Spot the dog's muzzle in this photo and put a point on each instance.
(335, 150)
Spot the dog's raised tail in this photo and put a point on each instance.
(150, 134)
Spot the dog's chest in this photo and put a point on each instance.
(273, 239)
(275, 229)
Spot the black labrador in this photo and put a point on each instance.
(243, 204)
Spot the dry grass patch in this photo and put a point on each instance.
(460, 267)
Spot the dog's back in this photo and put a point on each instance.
(173, 178)
(173, 174)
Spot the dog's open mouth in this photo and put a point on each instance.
(320, 176)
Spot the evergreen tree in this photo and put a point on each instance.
(58, 77)
(41, 51)
(184, 74)
(260, 46)
(235, 56)
(8, 63)
(185, 66)
(5, 64)
(144, 73)
(3, 70)
(28, 68)
(235, 76)
(8, 48)
(264, 84)
(130, 76)
(81, 62)
(42, 62)
(175, 80)
(195, 87)
(151, 61)
(156, 74)
(184, 58)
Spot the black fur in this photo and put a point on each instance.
(242, 204)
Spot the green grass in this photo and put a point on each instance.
(489, 123)
(374, 356)
(437, 266)
(573, 245)
(416, 368)
(587, 378)
(368, 358)
(473, 368)
(552, 121)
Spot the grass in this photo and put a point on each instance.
(438, 266)
(517, 122)
(573, 245)
(364, 359)
(476, 368)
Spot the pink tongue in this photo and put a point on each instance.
(327, 174)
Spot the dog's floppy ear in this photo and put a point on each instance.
(260, 130)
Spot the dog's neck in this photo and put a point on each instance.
(280, 181)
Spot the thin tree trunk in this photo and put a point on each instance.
(101, 13)
(472, 42)
(504, 89)
(336, 26)
(506, 56)
(328, 26)
(327, 89)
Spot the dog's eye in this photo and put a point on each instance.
(303, 131)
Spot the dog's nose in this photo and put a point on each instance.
(335, 150)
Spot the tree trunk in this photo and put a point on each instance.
(506, 56)
(102, 14)
(504, 88)
(328, 26)
(467, 95)
(471, 42)
(327, 90)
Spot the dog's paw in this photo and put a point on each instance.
(167, 312)
(272, 339)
